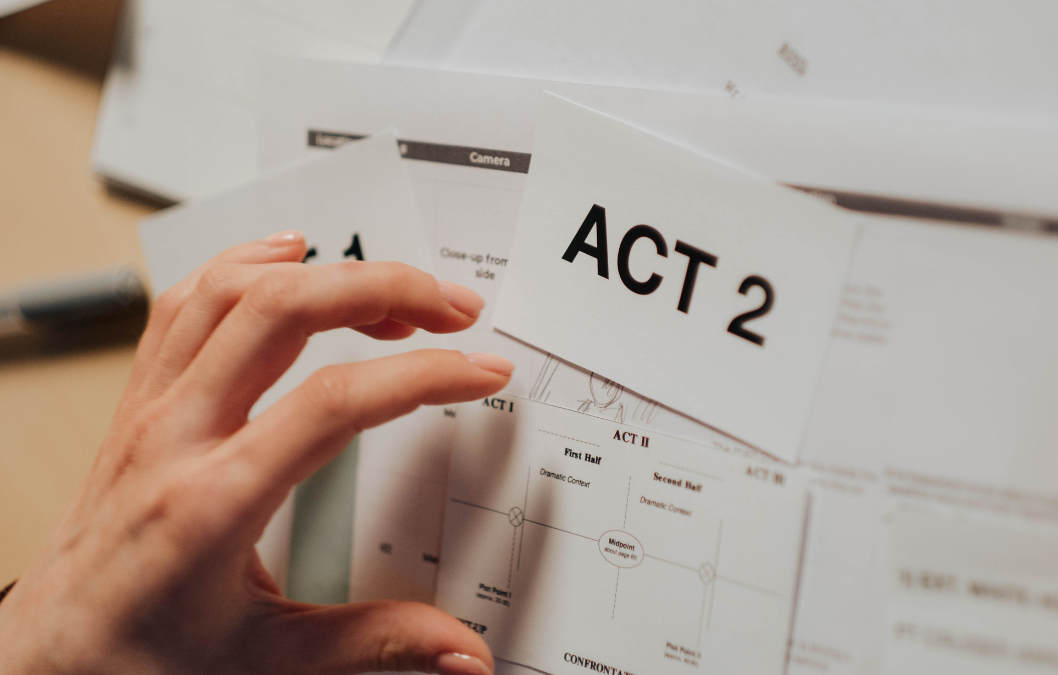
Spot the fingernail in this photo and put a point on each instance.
(462, 298)
(492, 363)
(285, 238)
(461, 664)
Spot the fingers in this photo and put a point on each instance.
(263, 334)
(279, 247)
(218, 289)
(305, 429)
(387, 329)
(372, 637)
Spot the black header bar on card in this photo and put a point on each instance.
(518, 162)
(331, 139)
(482, 158)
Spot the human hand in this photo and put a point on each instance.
(152, 569)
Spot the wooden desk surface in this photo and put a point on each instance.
(55, 218)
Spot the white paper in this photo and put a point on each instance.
(569, 539)
(471, 209)
(362, 190)
(926, 395)
(839, 625)
(971, 596)
(942, 364)
(670, 326)
(933, 52)
(178, 117)
(400, 502)
(999, 168)
(1006, 171)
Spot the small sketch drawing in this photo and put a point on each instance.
(647, 410)
(605, 397)
(540, 390)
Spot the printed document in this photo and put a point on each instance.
(962, 417)
(573, 542)
(703, 286)
(906, 161)
(928, 396)
(971, 595)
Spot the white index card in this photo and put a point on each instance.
(690, 281)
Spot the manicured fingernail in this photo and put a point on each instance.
(462, 298)
(461, 664)
(285, 238)
(492, 363)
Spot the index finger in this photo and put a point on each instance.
(279, 247)
(264, 333)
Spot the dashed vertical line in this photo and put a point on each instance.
(627, 497)
(525, 514)
(616, 586)
(716, 570)
(701, 617)
(510, 568)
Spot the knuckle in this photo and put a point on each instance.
(394, 655)
(148, 421)
(402, 277)
(183, 505)
(168, 304)
(162, 503)
(328, 390)
(395, 652)
(218, 282)
(275, 295)
(134, 446)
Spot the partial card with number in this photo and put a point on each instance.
(572, 542)
(705, 287)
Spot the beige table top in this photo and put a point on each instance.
(55, 218)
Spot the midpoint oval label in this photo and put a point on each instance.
(620, 548)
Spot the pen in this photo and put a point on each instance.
(70, 300)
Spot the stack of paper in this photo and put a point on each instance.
(785, 387)
(929, 52)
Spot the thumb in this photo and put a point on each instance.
(372, 637)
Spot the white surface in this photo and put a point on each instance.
(468, 209)
(945, 156)
(12, 6)
(943, 361)
(938, 387)
(999, 450)
(557, 297)
(911, 155)
(704, 582)
(971, 596)
(400, 501)
(840, 621)
(178, 117)
(992, 56)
